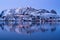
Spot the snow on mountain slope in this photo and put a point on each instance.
(27, 10)
(25, 20)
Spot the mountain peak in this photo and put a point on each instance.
(26, 10)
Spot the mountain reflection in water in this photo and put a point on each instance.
(28, 27)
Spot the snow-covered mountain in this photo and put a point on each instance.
(27, 10)
(28, 13)
(23, 20)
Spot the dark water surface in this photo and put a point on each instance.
(33, 31)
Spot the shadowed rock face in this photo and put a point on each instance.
(53, 11)
(26, 20)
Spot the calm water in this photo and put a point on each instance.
(33, 31)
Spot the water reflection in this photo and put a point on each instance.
(28, 27)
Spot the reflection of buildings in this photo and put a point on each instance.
(26, 20)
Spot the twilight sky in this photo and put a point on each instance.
(39, 4)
